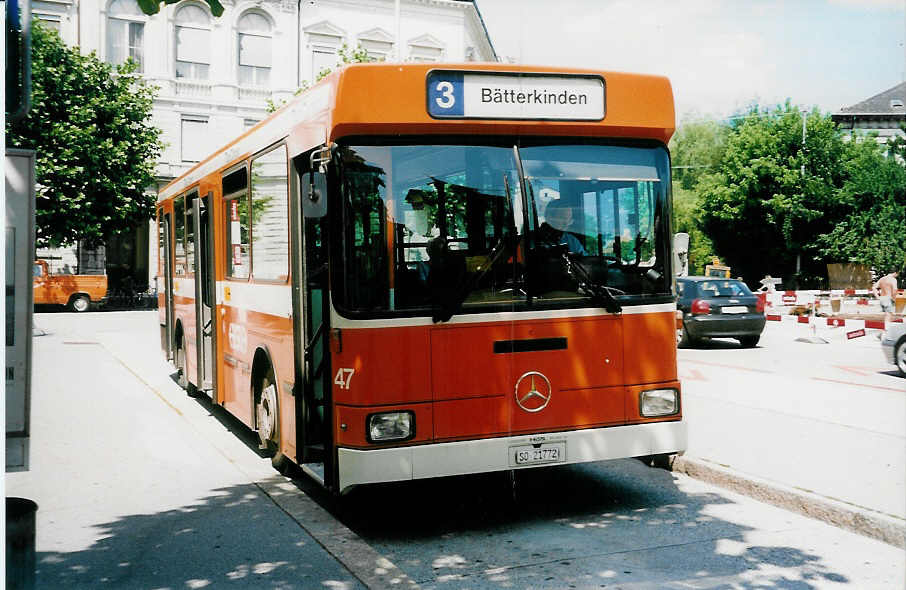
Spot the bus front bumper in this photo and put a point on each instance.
(498, 454)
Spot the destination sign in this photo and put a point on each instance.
(489, 95)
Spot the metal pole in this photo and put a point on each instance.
(399, 42)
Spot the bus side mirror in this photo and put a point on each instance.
(314, 195)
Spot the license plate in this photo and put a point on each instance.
(538, 454)
(734, 309)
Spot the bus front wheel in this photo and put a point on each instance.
(268, 421)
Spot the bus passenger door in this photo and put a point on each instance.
(168, 282)
(313, 415)
(204, 291)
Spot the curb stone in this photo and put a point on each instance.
(888, 529)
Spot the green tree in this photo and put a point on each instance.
(773, 196)
(96, 148)
(696, 151)
(153, 6)
(686, 212)
(872, 230)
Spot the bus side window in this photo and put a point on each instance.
(270, 219)
(190, 232)
(179, 236)
(235, 197)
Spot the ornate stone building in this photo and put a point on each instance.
(217, 74)
(883, 114)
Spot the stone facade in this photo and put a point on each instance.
(216, 75)
(883, 114)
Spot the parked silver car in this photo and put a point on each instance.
(893, 343)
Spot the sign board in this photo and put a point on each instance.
(855, 334)
(503, 95)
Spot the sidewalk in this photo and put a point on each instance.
(138, 487)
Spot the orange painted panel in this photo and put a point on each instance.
(392, 366)
(471, 417)
(572, 408)
(650, 345)
(465, 364)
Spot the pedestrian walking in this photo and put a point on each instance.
(885, 290)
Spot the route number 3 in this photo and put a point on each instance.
(446, 100)
(343, 378)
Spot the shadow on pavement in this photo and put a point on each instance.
(610, 523)
(198, 546)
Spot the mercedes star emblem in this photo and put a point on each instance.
(533, 391)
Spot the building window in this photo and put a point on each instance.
(50, 22)
(193, 138)
(254, 50)
(421, 53)
(378, 43)
(323, 40)
(125, 32)
(322, 60)
(193, 43)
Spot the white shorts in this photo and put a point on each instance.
(886, 303)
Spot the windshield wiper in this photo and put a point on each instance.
(444, 310)
(599, 293)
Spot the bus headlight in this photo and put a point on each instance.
(659, 402)
(390, 426)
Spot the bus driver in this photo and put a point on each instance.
(558, 218)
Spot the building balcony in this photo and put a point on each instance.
(192, 88)
(253, 94)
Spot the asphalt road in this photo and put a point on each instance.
(827, 418)
(139, 486)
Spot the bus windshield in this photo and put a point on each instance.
(449, 229)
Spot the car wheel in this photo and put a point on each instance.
(80, 303)
(749, 341)
(684, 338)
(899, 356)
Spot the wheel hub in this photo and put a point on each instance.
(267, 413)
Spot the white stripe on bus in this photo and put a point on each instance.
(276, 300)
(338, 321)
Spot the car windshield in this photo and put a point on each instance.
(723, 288)
(465, 228)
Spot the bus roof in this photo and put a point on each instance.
(396, 99)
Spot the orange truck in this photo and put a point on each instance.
(77, 292)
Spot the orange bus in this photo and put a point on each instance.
(415, 271)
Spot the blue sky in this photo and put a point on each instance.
(720, 55)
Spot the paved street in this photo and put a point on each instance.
(825, 418)
(140, 486)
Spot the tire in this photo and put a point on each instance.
(749, 341)
(182, 372)
(80, 303)
(662, 461)
(268, 422)
(182, 376)
(899, 356)
(685, 339)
